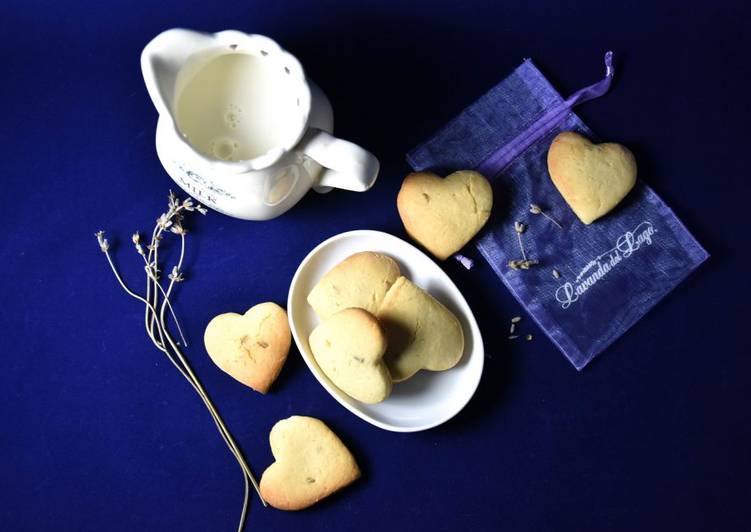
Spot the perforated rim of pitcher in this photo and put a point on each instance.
(261, 46)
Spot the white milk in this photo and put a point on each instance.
(237, 106)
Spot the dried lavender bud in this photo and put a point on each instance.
(536, 209)
(464, 261)
(103, 244)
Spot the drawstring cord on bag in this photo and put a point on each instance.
(500, 158)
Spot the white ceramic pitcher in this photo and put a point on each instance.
(240, 127)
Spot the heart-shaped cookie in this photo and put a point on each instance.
(349, 348)
(311, 463)
(422, 333)
(251, 347)
(443, 214)
(592, 178)
(361, 280)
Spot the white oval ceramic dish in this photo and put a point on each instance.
(427, 399)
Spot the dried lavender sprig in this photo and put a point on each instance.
(536, 209)
(520, 228)
(189, 376)
(171, 220)
(176, 276)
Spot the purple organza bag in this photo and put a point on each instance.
(610, 272)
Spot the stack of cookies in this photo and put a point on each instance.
(377, 327)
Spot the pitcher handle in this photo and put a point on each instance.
(345, 165)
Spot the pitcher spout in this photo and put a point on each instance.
(162, 59)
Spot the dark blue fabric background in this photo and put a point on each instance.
(100, 433)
